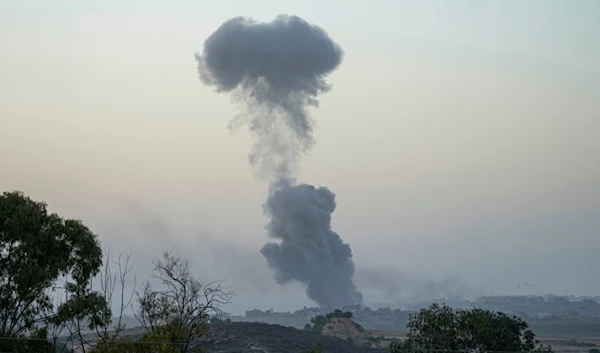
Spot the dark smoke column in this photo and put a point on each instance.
(274, 71)
(310, 252)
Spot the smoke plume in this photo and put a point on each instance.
(389, 285)
(310, 251)
(275, 71)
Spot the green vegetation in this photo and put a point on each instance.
(215, 320)
(372, 340)
(358, 327)
(174, 316)
(339, 314)
(319, 322)
(180, 312)
(397, 347)
(37, 249)
(440, 328)
(41, 252)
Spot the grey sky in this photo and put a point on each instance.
(461, 138)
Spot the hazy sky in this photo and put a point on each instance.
(462, 138)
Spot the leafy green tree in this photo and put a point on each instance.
(435, 328)
(486, 330)
(318, 323)
(36, 342)
(339, 314)
(37, 248)
(178, 313)
(440, 328)
(397, 347)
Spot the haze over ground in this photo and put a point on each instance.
(461, 138)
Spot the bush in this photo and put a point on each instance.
(339, 314)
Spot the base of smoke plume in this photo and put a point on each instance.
(308, 250)
(390, 285)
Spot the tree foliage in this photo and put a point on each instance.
(319, 322)
(107, 337)
(178, 313)
(440, 328)
(36, 249)
(39, 249)
(339, 314)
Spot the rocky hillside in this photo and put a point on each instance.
(354, 333)
(340, 324)
(242, 337)
(252, 337)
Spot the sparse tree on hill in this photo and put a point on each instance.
(36, 249)
(178, 313)
(440, 328)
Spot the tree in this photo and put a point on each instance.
(36, 249)
(495, 331)
(397, 347)
(339, 314)
(435, 328)
(318, 323)
(178, 313)
(108, 329)
(110, 334)
(440, 328)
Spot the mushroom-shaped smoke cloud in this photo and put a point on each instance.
(275, 71)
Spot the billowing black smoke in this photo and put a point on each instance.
(275, 71)
(310, 251)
